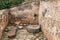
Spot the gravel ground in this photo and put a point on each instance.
(22, 34)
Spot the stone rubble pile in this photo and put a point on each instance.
(23, 34)
(45, 14)
(25, 14)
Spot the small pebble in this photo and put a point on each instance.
(37, 39)
(20, 27)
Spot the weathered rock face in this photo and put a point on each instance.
(25, 13)
(3, 20)
(49, 18)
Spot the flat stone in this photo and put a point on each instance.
(33, 28)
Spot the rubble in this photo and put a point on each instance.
(25, 15)
(23, 34)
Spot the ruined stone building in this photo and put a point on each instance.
(36, 16)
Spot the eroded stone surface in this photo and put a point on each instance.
(3, 20)
(49, 19)
(25, 13)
